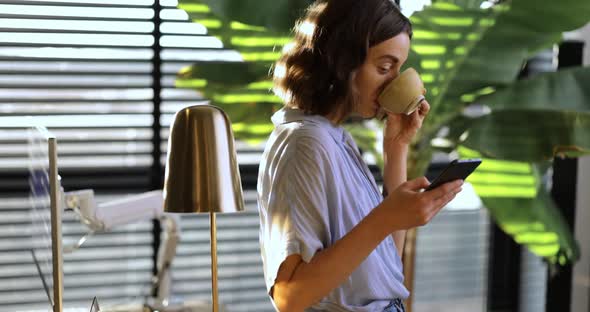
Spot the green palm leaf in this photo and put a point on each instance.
(241, 88)
(518, 202)
(277, 15)
(566, 89)
(220, 74)
(521, 28)
(484, 69)
(249, 109)
(443, 34)
(559, 110)
(528, 135)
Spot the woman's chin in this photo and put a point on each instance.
(367, 113)
(375, 112)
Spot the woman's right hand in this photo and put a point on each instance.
(408, 206)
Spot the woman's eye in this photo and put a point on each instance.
(384, 69)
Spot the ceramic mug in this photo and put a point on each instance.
(403, 94)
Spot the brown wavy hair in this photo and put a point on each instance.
(316, 71)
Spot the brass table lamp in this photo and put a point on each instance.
(202, 173)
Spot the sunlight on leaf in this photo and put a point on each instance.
(209, 23)
(432, 64)
(450, 21)
(190, 83)
(545, 251)
(246, 98)
(531, 218)
(468, 98)
(429, 49)
(240, 26)
(261, 56)
(487, 22)
(194, 8)
(537, 238)
(523, 227)
(460, 51)
(423, 34)
(253, 128)
(505, 179)
(472, 37)
(427, 78)
(261, 85)
(259, 41)
(500, 178)
(503, 191)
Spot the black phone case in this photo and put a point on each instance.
(457, 169)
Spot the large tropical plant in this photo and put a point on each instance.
(469, 54)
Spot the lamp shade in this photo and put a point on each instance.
(202, 173)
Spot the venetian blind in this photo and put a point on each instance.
(100, 75)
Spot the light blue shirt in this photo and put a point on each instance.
(313, 188)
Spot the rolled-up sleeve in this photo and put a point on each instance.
(296, 214)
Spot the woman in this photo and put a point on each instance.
(329, 240)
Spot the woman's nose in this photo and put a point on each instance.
(394, 74)
(388, 80)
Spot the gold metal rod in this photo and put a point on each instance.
(409, 260)
(213, 229)
(56, 237)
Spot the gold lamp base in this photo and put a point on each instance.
(213, 237)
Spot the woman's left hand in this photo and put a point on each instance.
(401, 128)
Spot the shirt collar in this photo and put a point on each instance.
(287, 115)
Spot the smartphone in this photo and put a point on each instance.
(457, 169)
